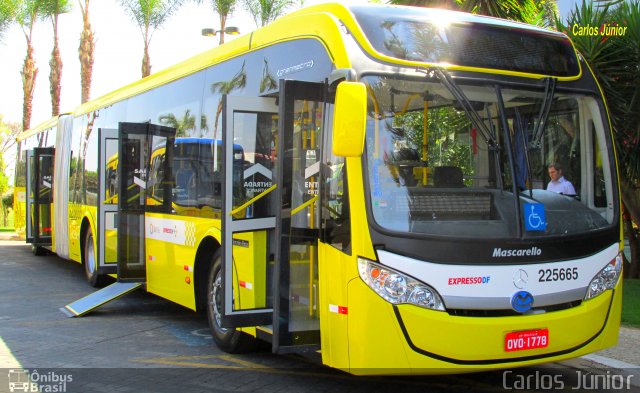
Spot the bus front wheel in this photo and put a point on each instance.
(90, 261)
(229, 340)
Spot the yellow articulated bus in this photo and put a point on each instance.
(370, 183)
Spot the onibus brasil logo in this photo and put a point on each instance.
(21, 380)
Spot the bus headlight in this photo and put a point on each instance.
(607, 278)
(397, 288)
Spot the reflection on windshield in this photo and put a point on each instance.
(434, 170)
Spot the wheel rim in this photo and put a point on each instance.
(216, 302)
(90, 259)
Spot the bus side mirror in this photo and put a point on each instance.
(349, 119)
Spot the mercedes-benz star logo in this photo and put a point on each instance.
(520, 279)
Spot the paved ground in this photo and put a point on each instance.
(142, 343)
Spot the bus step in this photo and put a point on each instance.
(88, 303)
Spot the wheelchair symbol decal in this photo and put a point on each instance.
(534, 217)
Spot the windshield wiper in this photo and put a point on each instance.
(459, 95)
(487, 132)
(549, 90)
(521, 131)
(512, 168)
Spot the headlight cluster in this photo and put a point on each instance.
(607, 278)
(397, 288)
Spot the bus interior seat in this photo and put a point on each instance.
(448, 176)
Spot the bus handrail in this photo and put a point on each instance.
(252, 200)
(304, 205)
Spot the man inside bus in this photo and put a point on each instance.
(558, 183)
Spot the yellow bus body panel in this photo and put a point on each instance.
(378, 345)
(20, 210)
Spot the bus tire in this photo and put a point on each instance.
(90, 261)
(229, 340)
(38, 251)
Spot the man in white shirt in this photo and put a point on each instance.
(558, 183)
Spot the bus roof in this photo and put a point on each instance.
(322, 22)
(37, 129)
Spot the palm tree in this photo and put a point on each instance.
(85, 52)
(53, 8)
(182, 126)
(615, 63)
(238, 81)
(266, 11)
(224, 8)
(28, 12)
(538, 12)
(150, 15)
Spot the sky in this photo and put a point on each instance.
(118, 53)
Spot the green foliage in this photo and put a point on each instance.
(540, 12)
(615, 61)
(266, 11)
(8, 9)
(445, 145)
(631, 303)
(150, 14)
(51, 8)
(7, 201)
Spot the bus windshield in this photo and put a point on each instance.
(481, 168)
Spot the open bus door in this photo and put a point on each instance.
(107, 201)
(39, 195)
(248, 210)
(136, 143)
(270, 214)
(296, 314)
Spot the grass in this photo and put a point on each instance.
(631, 303)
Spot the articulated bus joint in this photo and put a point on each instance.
(488, 362)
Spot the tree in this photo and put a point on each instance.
(7, 14)
(85, 52)
(182, 126)
(537, 12)
(53, 9)
(238, 81)
(615, 63)
(7, 204)
(28, 12)
(8, 133)
(224, 8)
(266, 11)
(150, 15)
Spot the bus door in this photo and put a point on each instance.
(39, 195)
(108, 200)
(248, 209)
(136, 141)
(296, 314)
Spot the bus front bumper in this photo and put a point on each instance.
(406, 339)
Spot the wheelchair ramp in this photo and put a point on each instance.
(88, 303)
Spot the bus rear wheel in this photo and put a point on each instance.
(90, 261)
(229, 340)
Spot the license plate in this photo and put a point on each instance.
(528, 339)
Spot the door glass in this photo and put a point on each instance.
(133, 182)
(45, 194)
(305, 217)
(254, 157)
(31, 186)
(110, 190)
